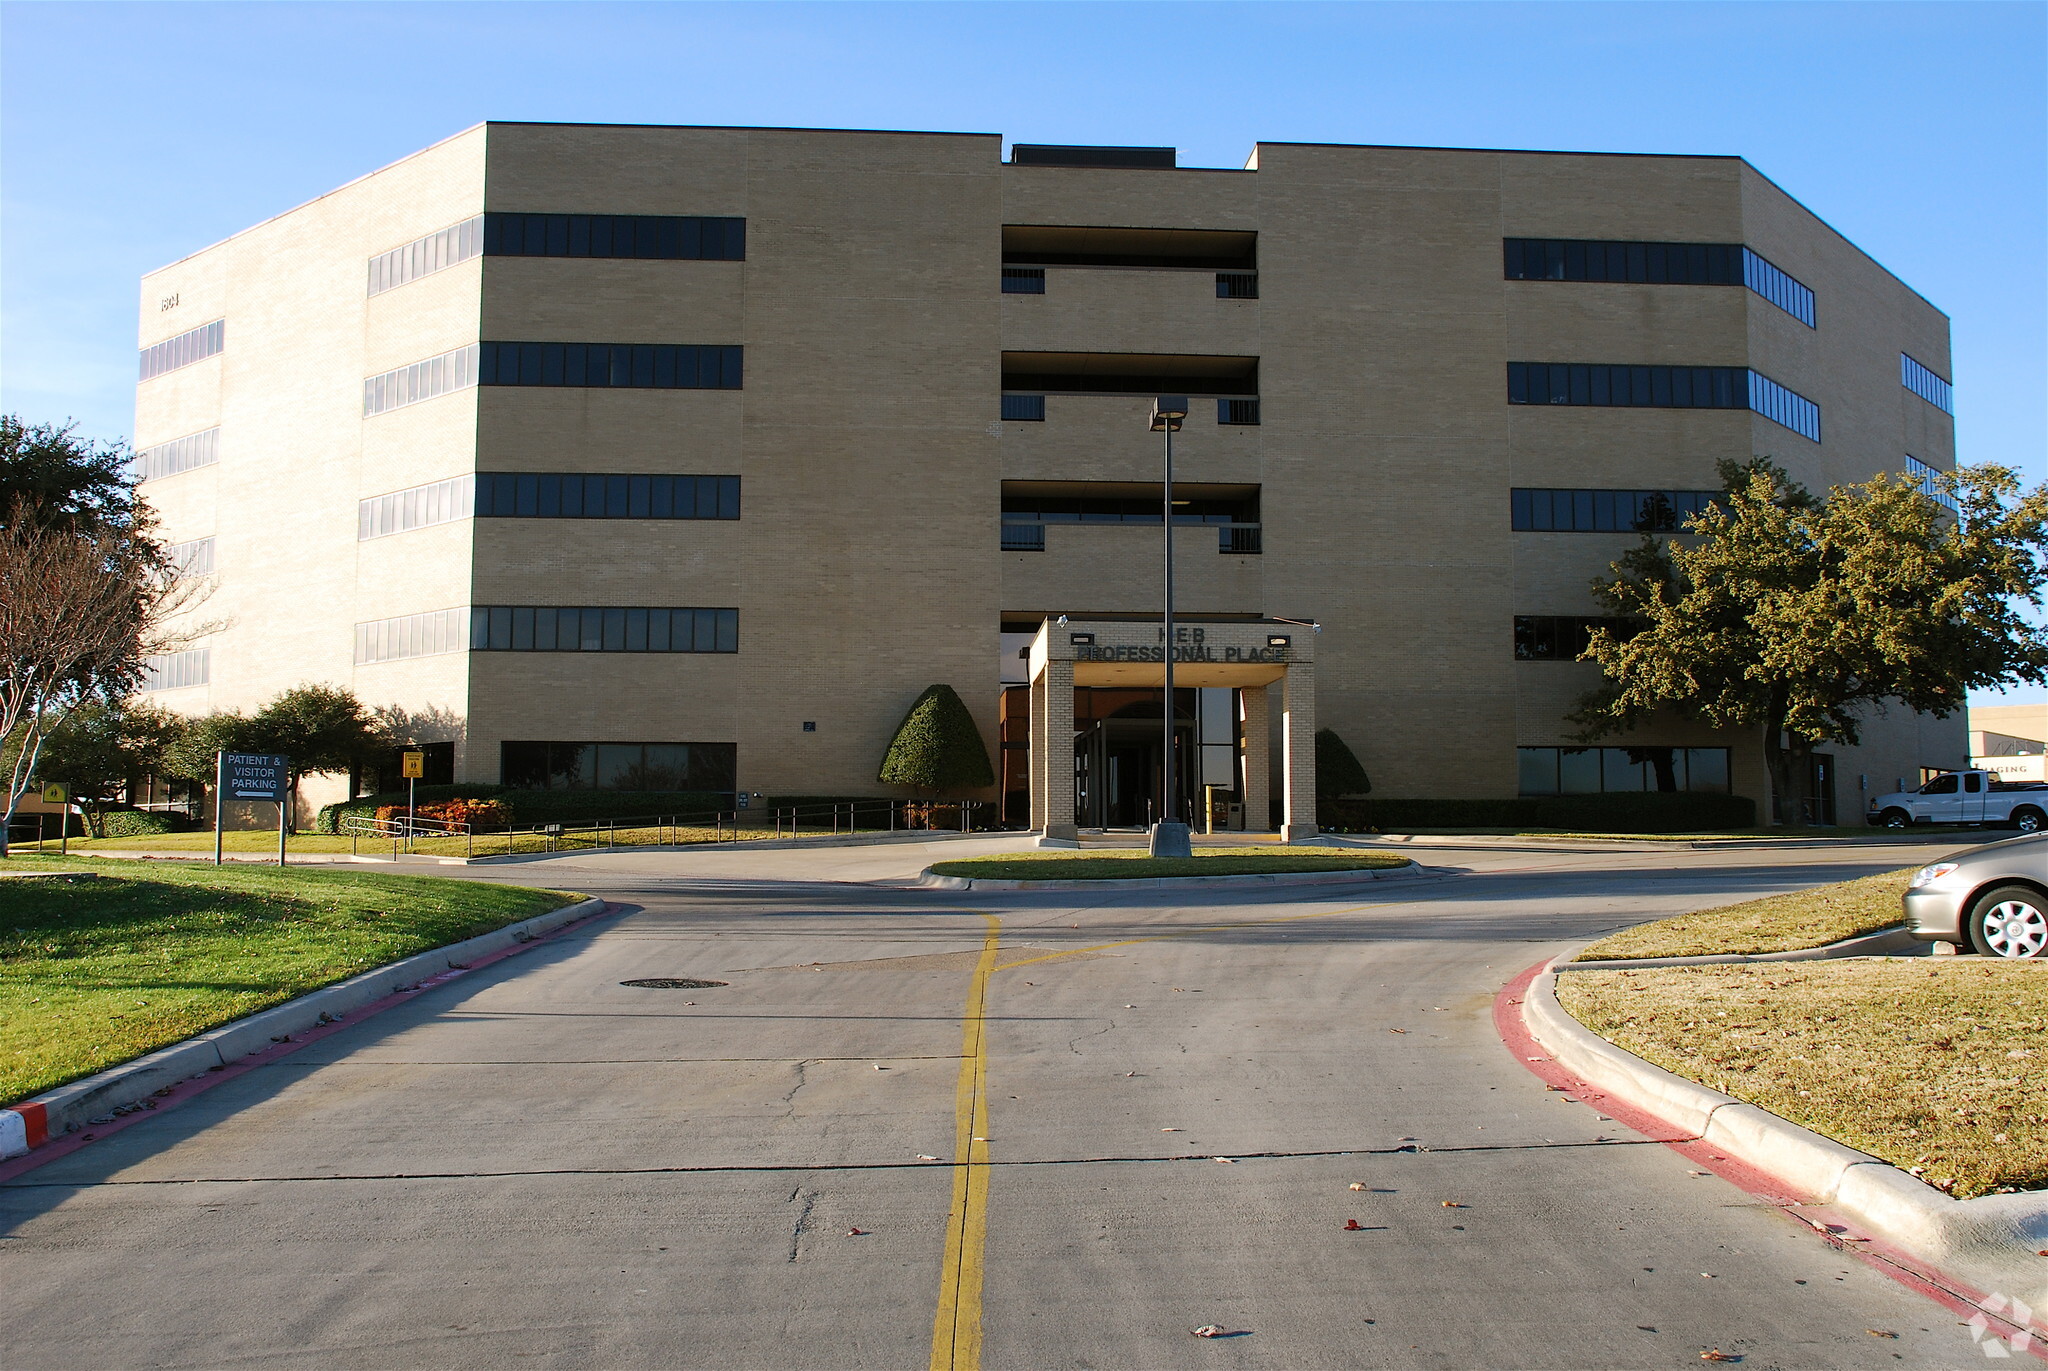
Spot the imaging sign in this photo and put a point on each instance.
(255, 776)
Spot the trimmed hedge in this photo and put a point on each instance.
(1639, 812)
(138, 823)
(529, 807)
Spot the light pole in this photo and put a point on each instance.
(1170, 837)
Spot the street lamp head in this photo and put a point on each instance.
(1167, 412)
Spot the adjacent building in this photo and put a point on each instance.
(685, 458)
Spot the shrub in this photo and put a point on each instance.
(937, 747)
(526, 808)
(137, 823)
(477, 816)
(1638, 812)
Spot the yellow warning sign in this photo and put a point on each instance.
(54, 794)
(415, 765)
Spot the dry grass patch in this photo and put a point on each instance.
(1777, 923)
(1938, 1067)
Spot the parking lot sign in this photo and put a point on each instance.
(252, 776)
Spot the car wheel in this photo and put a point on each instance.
(2012, 922)
(2028, 819)
(1895, 818)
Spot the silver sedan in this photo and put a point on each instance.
(1992, 899)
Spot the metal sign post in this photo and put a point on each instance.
(54, 794)
(252, 776)
(414, 766)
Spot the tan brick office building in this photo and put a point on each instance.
(686, 457)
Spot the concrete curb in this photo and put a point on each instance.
(1278, 878)
(123, 1088)
(1993, 1240)
(745, 845)
(1882, 943)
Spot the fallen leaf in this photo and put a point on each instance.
(1716, 1354)
(856, 1232)
(1207, 1330)
(1879, 1333)
(1453, 1204)
(1397, 1030)
(1228, 1161)
(1352, 1226)
(926, 1157)
(1169, 1130)
(1360, 1185)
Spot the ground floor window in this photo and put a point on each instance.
(1592, 770)
(618, 766)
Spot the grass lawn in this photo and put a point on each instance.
(96, 972)
(1778, 923)
(483, 845)
(1124, 864)
(1940, 1067)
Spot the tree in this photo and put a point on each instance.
(80, 486)
(1338, 772)
(1793, 616)
(937, 747)
(79, 617)
(98, 748)
(321, 728)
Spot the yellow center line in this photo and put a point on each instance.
(956, 1329)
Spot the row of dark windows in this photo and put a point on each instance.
(1606, 511)
(644, 366)
(553, 628)
(1594, 770)
(660, 237)
(194, 345)
(618, 766)
(540, 495)
(1582, 383)
(1685, 264)
(1578, 259)
(1563, 637)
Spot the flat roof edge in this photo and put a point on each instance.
(271, 219)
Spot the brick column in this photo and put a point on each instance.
(1034, 769)
(1058, 754)
(1258, 761)
(1298, 752)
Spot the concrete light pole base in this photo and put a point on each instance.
(1172, 840)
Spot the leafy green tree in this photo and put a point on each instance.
(320, 727)
(937, 747)
(1793, 616)
(1338, 771)
(97, 749)
(68, 482)
(190, 755)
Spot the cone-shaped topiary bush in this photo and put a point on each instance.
(1337, 769)
(937, 747)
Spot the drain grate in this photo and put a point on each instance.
(673, 983)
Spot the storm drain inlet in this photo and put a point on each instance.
(673, 983)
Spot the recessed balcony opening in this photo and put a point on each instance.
(1048, 245)
(1029, 507)
(1149, 374)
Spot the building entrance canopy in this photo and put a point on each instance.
(1248, 657)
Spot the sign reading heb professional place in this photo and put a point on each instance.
(255, 776)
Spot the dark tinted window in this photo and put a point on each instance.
(560, 628)
(643, 366)
(1561, 637)
(618, 766)
(661, 237)
(1606, 511)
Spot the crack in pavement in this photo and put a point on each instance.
(771, 1168)
(803, 1217)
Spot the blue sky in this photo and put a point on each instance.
(131, 135)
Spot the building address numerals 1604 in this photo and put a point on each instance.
(169, 302)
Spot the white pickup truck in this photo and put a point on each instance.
(1966, 797)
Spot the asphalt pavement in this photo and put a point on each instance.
(1018, 1100)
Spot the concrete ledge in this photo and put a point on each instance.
(902, 836)
(1882, 943)
(1278, 878)
(1994, 1240)
(71, 1107)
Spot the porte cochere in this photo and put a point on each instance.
(1096, 731)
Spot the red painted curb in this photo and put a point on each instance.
(171, 1096)
(36, 1120)
(1914, 1274)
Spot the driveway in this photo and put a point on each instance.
(1017, 1098)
